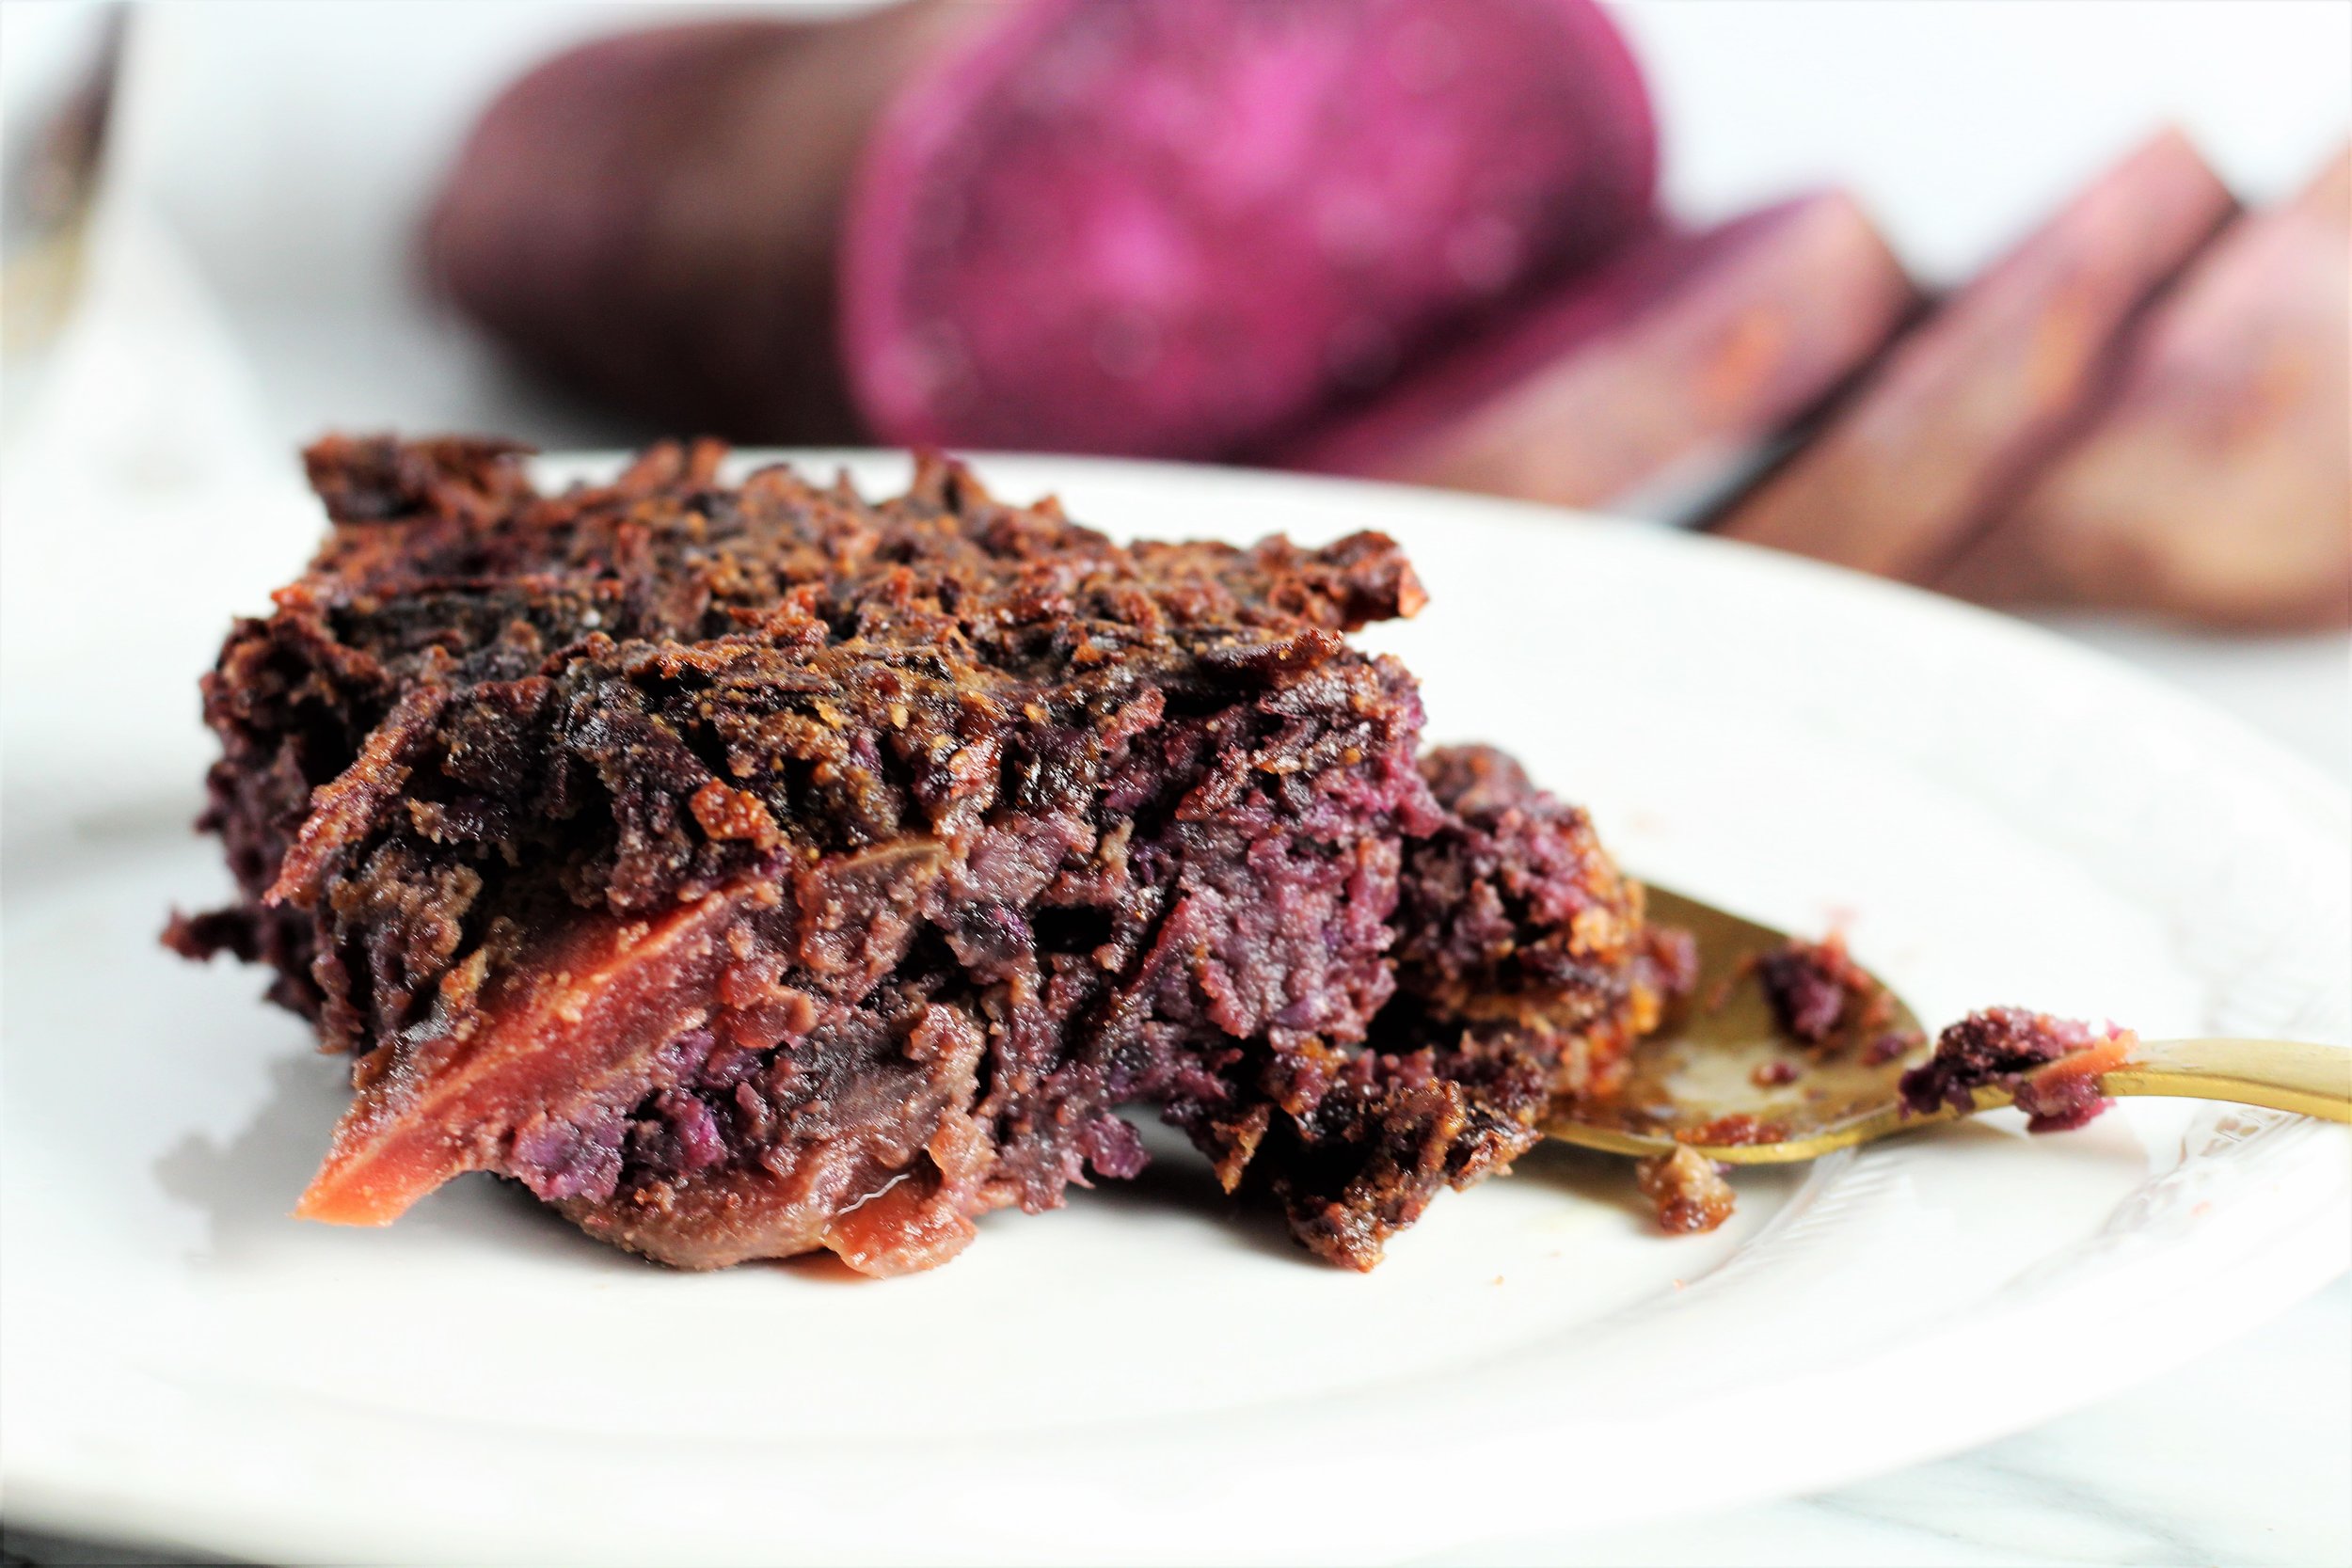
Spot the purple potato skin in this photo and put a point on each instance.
(1687, 347)
(1931, 444)
(651, 219)
(2216, 487)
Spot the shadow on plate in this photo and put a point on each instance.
(1588, 1175)
(246, 1186)
(1181, 1180)
(40, 1549)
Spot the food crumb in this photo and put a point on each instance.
(1774, 1074)
(1736, 1128)
(1887, 1047)
(1816, 990)
(2049, 1066)
(1688, 1188)
(1669, 960)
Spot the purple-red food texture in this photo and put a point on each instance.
(2050, 1065)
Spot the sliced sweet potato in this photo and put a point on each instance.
(1914, 460)
(1176, 229)
(587, 1006)
(2216, 486)
(651, 218)
(1688, 345)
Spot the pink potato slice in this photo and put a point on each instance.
(1687, 348)
(582, 1008)
(1176, 230)
(1930, 441)
(2217, 486)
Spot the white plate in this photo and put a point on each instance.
(1146, 1375)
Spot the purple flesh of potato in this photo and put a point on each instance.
(1175, 229)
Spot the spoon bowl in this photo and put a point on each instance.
(1720, 1076)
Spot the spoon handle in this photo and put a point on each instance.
(2282, 1075)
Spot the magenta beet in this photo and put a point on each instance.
(1684, 347)
(1181, 228)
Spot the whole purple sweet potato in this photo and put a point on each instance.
(1687, 347)
(1177, 229)
(1935, 438)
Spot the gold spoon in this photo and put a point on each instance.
(1724, 1081)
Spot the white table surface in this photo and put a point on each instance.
(2242, 1458)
